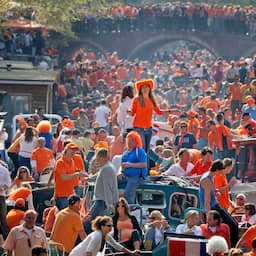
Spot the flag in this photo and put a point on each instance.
(186, 247)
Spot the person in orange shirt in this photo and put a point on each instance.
(42, 159)
(223, 140)
(193, 124)
(247, 238)
(222, 186)
(49, 216)
(235, 91)
(204, 163)
(65, 173)
(142, 108)
(117, 145)
(253, 249)
(213, 103)
(16, 216)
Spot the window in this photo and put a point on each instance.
(21, 104)
(179, 202)
(152, 198)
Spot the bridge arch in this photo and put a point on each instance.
(82, 43)
(150, 45)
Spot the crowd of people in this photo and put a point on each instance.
(112, 114)
(177, 16)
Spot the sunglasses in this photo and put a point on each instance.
(109, 225)
(240, 198)
(183, 126)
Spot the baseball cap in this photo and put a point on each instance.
(73, 199)
(20, 202)
(72, 146)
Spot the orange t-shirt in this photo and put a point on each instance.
(20, 193)
(249, 235)
(143, 115)
(14, 217)
(193, 127)
(50, 218)
(18, 181)
(63, 188)
(43, 158)
(219, 182)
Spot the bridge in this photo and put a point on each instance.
(141, 44)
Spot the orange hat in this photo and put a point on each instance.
(191, 113)
(148, 82)
(20, 202)
(72, 146)
(101, 144)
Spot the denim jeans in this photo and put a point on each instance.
(202, 143)
(25, 161)
(145, 135)
(131, 186)
(97, 209)
(61, 202)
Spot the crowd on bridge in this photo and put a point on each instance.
(184, 16)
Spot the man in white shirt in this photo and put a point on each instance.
(102, 114)
(183, 167)
(5, 183)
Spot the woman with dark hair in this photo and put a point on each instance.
(250, 214)
(221, 184)
(124, 120)
(143, 106)
(134, 165)
(96, 241)
(27, 145)
(126, 227)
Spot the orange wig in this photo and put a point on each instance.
(136, 137)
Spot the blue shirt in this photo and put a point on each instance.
(137, 155)
(188, 141)
(213, 200)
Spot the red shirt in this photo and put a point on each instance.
(200, 167)
(221, 230)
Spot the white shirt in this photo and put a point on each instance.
(92, 243)
(101, 115)
(123, 118)
(252, 219)
(182, 228)
(26, 148)
(5, 180)
(178, 171)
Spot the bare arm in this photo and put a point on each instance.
(82, 235)
(206, 184)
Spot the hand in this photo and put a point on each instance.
(83, 174)
(126, 165)
(189, 232)
(232, 181)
